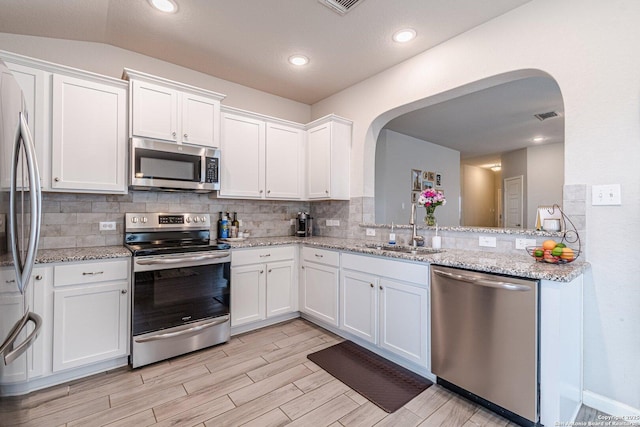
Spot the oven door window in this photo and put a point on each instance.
(177, 296)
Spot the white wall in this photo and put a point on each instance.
(591, 49)
(110, 61)
(396, 155)
(545, 174)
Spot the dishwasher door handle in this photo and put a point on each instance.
(507, 286)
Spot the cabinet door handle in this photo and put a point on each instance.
(261, 191)
(38, 277)
(124, 291)
(173, 134)
(56, 179)
(186, 135)
(302, 267)
(265, 255)
(261, 271)
(269, 271)
(326, 191)
(92, 273)
(380, 287)
(319, 255)
(371, 284)
(10, 281)
(268, 191)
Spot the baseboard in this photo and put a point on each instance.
(611, 407)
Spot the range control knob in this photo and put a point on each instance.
(196, 219)
(143, 220)
(134, 219)
(203, 219)
(188, 219)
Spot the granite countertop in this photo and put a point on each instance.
(46, 256)
(520, 265)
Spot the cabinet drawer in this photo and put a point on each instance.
(91, 272)
(398, 270)
(321, 256)
(262, 255)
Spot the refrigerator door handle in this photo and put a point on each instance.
(10, 353)
(23, 268)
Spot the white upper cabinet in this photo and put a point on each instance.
(88, 135)
(260, 158)
(284, 161)
(154, 111)
(172, 111)
(79, 124)
(242, 156)
(328, 158)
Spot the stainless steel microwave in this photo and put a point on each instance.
(159, 165)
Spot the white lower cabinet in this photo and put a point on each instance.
(30, 364)
(386, 303)
(262, 284)
(319, 283)
(90, 313)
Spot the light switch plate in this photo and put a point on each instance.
(603, 195)
(371, 231)
(523, 243)
(486, 241)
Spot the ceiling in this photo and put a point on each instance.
(484, 124)
(248, 41)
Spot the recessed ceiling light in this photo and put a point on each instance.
(298, 60)
(496, 168)
(403, 36)
(538, 139)
(167, 6)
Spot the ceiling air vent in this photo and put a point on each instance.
(340, 6)
(545, 116)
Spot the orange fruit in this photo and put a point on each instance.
(567, 254)
(549, 245)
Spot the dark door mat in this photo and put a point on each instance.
(384, 383)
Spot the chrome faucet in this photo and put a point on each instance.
(414, 237)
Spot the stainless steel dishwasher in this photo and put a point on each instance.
(484, 339)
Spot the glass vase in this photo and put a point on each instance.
(430, 219)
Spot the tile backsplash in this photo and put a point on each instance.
(72, 220)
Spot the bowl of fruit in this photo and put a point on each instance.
(553, 252)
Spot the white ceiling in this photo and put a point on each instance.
(249, 41)
(484, 124)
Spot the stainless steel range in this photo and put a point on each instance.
(181, 285)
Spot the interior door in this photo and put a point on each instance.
(513, 202)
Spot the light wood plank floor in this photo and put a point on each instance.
(261, 378)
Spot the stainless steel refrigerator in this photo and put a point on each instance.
(20, 215)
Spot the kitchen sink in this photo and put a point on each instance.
(404, 249)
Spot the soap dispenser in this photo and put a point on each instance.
(392, 236)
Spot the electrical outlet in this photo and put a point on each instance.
(486, 241)
(371, 231)
(523, 243)
(107, 225)
(602, 195)
(336, 223)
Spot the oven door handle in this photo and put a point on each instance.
(180, 260)
(182, 333)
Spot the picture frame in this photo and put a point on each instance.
(425, 176)
(426, 185)
(431, 176)
(438, 180)
(416, 183)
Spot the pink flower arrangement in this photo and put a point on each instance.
(431, 198)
